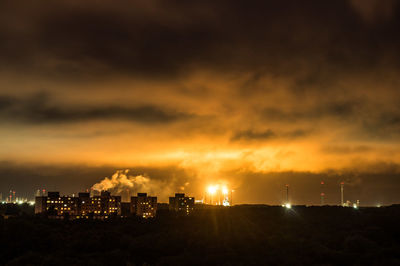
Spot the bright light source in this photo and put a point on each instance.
(226, 203)
(212, 189)
(225, 190)
(355, 206)
(288, 205)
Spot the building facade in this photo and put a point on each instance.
(144, 206)
(181, 204)
(56, 205)
(40, 204)
(82, 206)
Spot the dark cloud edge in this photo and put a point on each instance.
(39, 109)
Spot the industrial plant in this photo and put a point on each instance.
(103, 205)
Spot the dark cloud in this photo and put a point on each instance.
(381, 125)
(250, 135)
(375, 10)
(338, 110)
(367, 119)
(40, 109)
(6, 102)
(342, 149)
(166, 38)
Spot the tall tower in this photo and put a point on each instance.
(10, 197)
(341, 193)
(322, 193)
(287, 193)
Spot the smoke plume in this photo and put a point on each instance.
(125, 185)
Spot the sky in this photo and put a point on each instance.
(250, 94)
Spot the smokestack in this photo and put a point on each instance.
(341, 193)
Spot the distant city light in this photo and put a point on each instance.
(288, 206)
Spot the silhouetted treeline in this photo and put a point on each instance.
(240, 235)
(9, 209)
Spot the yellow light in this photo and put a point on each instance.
(225, 190)
(288, 205)
(212, 189)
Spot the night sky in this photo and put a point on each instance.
(252, 94)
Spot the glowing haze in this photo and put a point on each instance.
(254, 94)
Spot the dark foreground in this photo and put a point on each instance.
(243, 235)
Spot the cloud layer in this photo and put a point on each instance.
(208, 86)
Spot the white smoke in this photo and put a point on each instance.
(122, 183)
